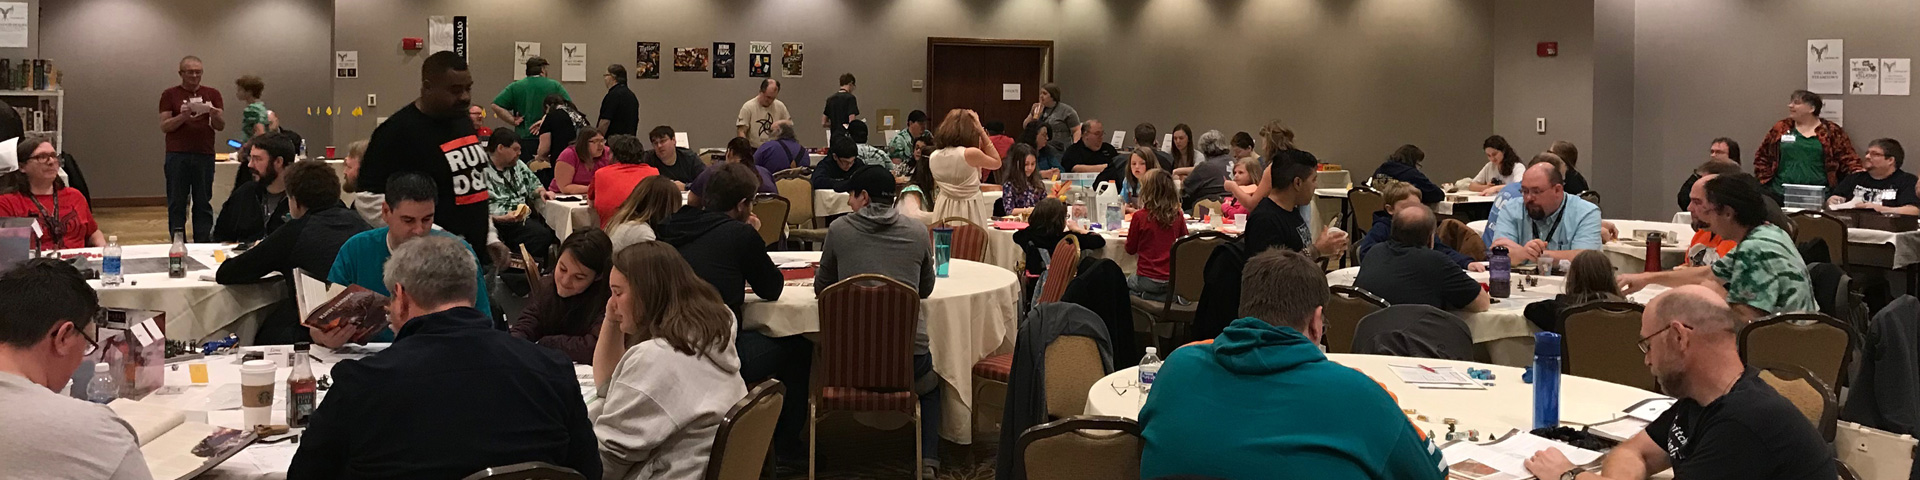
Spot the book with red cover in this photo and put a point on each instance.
(355, 307)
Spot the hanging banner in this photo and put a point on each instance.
(439, 34)
(460, 36)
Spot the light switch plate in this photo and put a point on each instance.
(372, 100)
(1540, 125)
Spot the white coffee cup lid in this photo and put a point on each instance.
(255, 366)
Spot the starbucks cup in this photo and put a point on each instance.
(256, 392)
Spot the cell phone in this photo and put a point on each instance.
(567, 198)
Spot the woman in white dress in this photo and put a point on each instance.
(962, 151)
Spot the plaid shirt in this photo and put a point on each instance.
(511, 188)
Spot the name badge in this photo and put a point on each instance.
(1886, 194)
(1787, 138)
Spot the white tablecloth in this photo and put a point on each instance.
(1506, 405)
(1630, 257)
(1864, 236)
(196, 307)
(970, 316)
(564, 216)
(1002, 252)
(1445, 207)
(829, 202)
(224, 171)
(1506, 319)
(218, 403)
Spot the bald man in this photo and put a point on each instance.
(1763, 274)
(1727, 422)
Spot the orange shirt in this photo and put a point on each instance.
(1704, 237)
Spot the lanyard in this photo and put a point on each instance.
(1552, 227)
(54, 224)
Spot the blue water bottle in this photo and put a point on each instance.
(942, 250)
(1546, 380)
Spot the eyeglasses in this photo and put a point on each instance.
(93, 341)
(45, 157)
(1645, 341)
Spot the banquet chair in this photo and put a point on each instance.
(1833, 290)
(1203, 207)
(795, 172)
(740, 445)
(1809, 225)
(1073, 366)
(1187, 280)
(1599, 341)
(1808, 394)
(769, 208)
(1364, 201)
(527, 471)
(1821, 344)
(1591, 196)
(799, 194)
(991, 374)
(1419, 331)
(1462, 238)
(1081, 448)
(1346, 305)
(969, 240)
(864, 358)
(1061, 268)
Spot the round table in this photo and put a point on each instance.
(828, 203)
(225, 170)
(1506, 405)
(196, 307)
(1503, 329)
(1002, 252)
(565, 216)
(1631, 257)
(970, 316)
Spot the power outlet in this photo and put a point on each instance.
(1540, 125)
(372, 100)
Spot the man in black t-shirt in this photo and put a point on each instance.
(1883, 186)
(842, 107)
(619, 110)
(1277, 221)
(1409, 271)
(1727, 423)
(1091, 154)
(432, 136)
(677, 164)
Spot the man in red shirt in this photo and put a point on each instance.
(189, 114)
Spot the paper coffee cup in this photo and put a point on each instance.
(256, 392)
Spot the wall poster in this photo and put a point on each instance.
(760, 59)
(792, 59)
(646, 60)
(722, 59)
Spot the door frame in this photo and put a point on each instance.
(1046, 71)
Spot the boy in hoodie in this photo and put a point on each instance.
(1261, 399)
(876, 238)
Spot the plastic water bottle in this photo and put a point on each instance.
(110, 263)
(1110, 206)
(1149, 369)
(1499, 273)
(1546, 380)
(103, 388)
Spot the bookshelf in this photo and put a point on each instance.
(41, 111)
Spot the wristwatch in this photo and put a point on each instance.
(1574, 473)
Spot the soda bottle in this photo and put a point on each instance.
(177, 256)
(301, 388)
(110, 263)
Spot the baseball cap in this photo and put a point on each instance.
(876, 182)
(536, 62)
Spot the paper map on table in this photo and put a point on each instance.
(1506, 459)
(1435, 377)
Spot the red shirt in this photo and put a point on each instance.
(196, 135)
(1153, 243)
(612, 184)
(76, 218)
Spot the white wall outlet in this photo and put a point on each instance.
(1540, 125)
(917, 85)
(372, 100)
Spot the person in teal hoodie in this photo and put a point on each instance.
(1262, 401)
(362, 259)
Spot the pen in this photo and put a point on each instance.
(1429, 370)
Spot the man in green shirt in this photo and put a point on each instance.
(523, 103)
(900, 147)
(1763, 274)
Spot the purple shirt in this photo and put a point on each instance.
(699, 185)
(782, 154)
(582, 175)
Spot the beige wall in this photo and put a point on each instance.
(118, 55)
(1526, 86)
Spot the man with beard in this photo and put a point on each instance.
(1548, 221)
(1763, 273)
(1727, 422)
(434, 137)
(259, 206)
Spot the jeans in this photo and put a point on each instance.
(190, 178)
(928, 384)
(1148, 288)
(790, 360)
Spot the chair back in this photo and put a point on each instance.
(771, 210)
(795, 172)
(799, 194)
(1081, 448)
(1809, 225)
(969, 240)
(527, 471)
(1365, 200)
(1202, 207)
(1591, 196)
(1073, 366)
(866, 334)
(1807, 393)
(740, 446)
(1821, 344)
(1833, 290)
(1188, 264)
(1408, 330)
(1600, 341)
(1345, 307)
(1061, 268)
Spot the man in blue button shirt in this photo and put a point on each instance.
(1548, 220)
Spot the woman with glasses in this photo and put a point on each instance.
(35, 191)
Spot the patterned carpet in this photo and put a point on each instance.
(848, 449)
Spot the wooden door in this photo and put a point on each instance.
(972, 74)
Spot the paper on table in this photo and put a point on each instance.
(783, 259)
(1650, 410)
(1425, 376)
(1619, 429)
(1507, 458)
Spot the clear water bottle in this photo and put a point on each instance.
(1546, 380)
(110, 263)
(1149, 369)
(1499, 273)
(103, 388)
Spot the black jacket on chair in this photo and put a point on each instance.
(243, 220)
(1102, 288)
(1414, 331)
(1220, 301)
